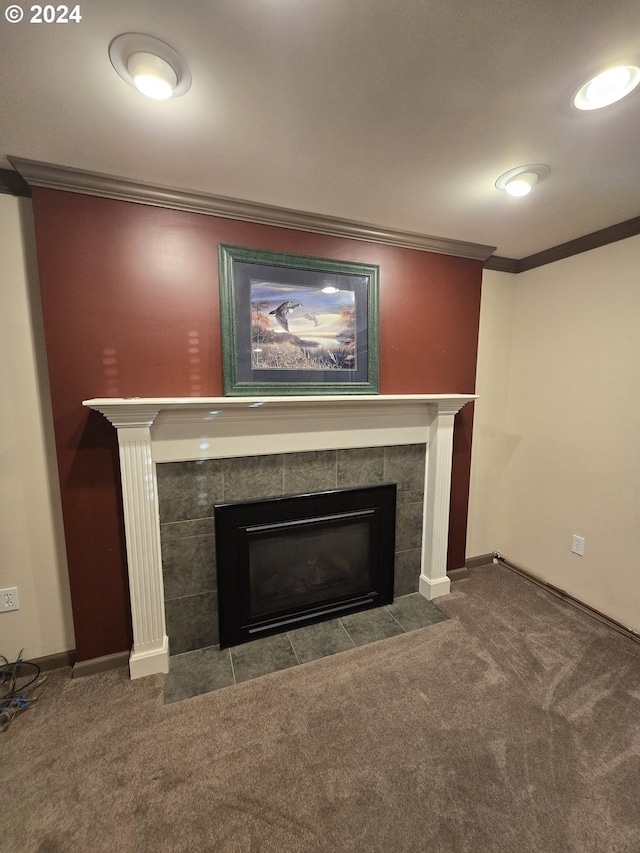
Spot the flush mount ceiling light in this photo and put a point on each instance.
(150, 66)
(607, 88)
(521, 180)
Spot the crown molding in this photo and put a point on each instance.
(628, 228)
(11, 183)
(50, 176)
(33, 173)
(500, 264)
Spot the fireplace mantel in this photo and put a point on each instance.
(173, 429)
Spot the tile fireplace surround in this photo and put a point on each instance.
(168, 429)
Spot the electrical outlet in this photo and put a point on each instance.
(577, 546)
(9, 599)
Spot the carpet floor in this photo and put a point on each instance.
(513, 726)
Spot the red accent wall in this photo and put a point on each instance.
(130, 291)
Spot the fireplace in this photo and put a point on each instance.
(212, 429)
(293, 560)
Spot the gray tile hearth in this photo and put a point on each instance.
(268, 654)
(201, 671)
(318, 641)
(208, 669)
(371, 626)
(414, 611)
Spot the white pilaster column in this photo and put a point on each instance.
(434, 581)
(150, 652)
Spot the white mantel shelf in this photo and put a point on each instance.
(153, 430)
(118, 406)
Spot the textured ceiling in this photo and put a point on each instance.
(399, 114)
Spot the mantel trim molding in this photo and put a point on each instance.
(142, 411)
(68, 179)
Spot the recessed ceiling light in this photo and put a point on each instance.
(150, 66)
(152, 75)
(521, 184)
(607, 88)
(522, 179)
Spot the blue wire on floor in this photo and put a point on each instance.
(17, 680)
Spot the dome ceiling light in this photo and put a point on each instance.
(150, 66)
(521, 180)
(607, 88)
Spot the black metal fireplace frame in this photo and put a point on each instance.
(236, 521)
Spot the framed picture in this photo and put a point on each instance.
(296, 325)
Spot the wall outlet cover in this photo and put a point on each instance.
(577, 545)
(9, 599)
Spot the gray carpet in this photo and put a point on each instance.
(514, 726)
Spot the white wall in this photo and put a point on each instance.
(32, 553)
(571, 447)
(489, 449)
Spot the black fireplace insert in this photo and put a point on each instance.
(289, 561)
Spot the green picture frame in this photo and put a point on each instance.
(297, 325)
